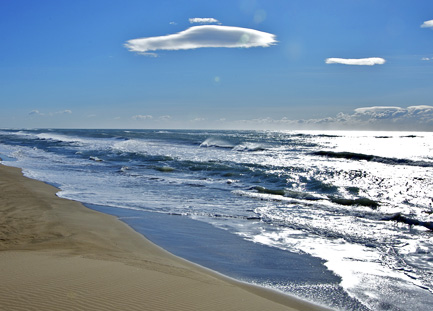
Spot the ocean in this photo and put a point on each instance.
(341, 218)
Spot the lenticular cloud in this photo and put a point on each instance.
(206, 36)
(357, 61)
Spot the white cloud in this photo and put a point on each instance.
(364, 118)
(427, 24)
(35, 112)
(38, 113)
(357, 61)
(165, 118)
(426, 58)
(201, 20)
(205, 36)
(142, 117)
(387, 117)
(378, 111)
(198, 120)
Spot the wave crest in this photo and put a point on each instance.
(216, 142)
(372, 158)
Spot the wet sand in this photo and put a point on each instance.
(56, 254)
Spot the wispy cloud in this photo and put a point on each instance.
(357, 61)
(142, 117)
(35, 112)
(38, 113)
(198, 120)
(205, 36)
(203, 20)
(427, 24)
(165, 118)
(427, 58)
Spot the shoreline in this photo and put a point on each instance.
(102, 263)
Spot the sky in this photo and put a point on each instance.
(197, 64)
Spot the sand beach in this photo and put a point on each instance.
(56, 254)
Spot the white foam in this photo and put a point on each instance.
(362, 271)
(216, 142)
(58, 137)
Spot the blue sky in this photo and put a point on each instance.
(71, 64)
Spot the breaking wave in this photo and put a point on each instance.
(371, 158)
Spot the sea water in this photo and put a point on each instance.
(341, 218)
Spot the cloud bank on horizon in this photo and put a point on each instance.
(412, 118)
(204, 36)
(371, 61)
(380, 118)
(421, 114)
